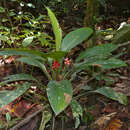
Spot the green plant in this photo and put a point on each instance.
(62, 6)
(122, 34)
(61, 71)
(21, 28)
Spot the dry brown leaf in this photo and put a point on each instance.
(10, 59)
(103, 121)
(67, 98)
(114, 124)
(20, 108)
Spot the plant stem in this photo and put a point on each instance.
(124, 44)
(53, 123)
(62, 123)
(83, 94)
(86, 82)
(45, 71)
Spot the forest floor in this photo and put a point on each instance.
(100, 113)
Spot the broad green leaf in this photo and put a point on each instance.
(56, 55)
(98, 51)
(27, 41)
(29, 61)
(77, 112)
(22, 52)
(8, 96)
(56, 29)
(32, 53)
(59, 95)
(110, 93)
(16, 77)
(122, 35)
(110, 63)
(35, 62)
(75, 37)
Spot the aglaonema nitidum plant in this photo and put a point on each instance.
(61, 71)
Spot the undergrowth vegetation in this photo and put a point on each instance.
(22, 32)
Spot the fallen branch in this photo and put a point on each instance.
(124, 44)
(26, 120)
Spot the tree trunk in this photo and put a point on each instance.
(90, 19)
(91, 13)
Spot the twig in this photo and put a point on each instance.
(86, 82)
(62, 123)
(26, 120)
(124, 44)
(83, 94)
(127, 61)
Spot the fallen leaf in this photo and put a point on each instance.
(20, 108)
(114, 124)
(10, 59)
(103, 121)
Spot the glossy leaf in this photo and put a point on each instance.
(75, 37)
(104, 64)
(27, 41)
(21, 51)
(35, 62)
(16, 77)
(29, 61)
(56, 55)
(56, 29)
(77, 112)
(8, 96)
(99, 51)
(110, 93)
(110, 63)
(32, 53)
(59, 95)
